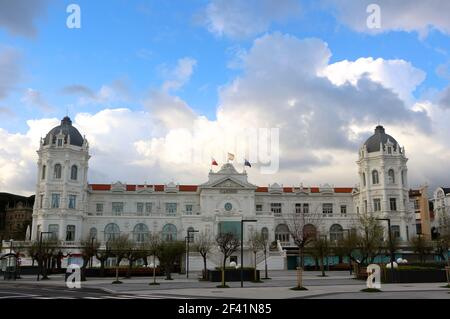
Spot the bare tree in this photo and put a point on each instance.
(303, 229)
(264, 239)
(320, 249)
(255, 244)
(88, 250)
(152, 244)
(102, 255)
(168, 253)
(369, 240)
(422, 247)
(119, 247)
(228, 243)
(203, 245)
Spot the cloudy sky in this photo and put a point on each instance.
(160, 87)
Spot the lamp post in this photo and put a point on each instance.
(40, 252)
(242, 247)
(188, 238)
(390, 246)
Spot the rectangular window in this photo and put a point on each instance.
(44, 171)
(54, 230)
(416, 204)
(393, 204)
(72, 201)
(55, 200)
(259, 207)
(41, 201)
(276, 208)
(377, 205)
(117, 208)
(148, 208)
(418, 228)
(99, 207)
(344, 210)
(365, 206)
(327, 209)
(188, 209)
(70, 233)
(140, 209)
(305, 209)
(298, 208)
(171, 209)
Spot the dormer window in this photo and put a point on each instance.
(60, 142)
(389, 150)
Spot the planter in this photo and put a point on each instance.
(233, 275)
(414, 276)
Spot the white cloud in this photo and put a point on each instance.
(117, 91)
(180, 75)
(321, 124)
(400, 15)
(398, 75)
(242, 19)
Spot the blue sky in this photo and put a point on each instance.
(135, 46)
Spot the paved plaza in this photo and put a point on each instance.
(338, 285)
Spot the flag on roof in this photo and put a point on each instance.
(247, 163)
(213, 162)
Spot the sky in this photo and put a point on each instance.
(158, 88)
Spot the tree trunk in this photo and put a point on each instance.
(102, 267)
(265, 263)
(254, 275)
(322, 266)
(204, 268)
(130, 266)
(223, 271)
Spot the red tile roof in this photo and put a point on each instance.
(194, 188)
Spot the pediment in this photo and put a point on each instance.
(228, 183)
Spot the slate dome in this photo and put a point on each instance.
(379, 137)
(71, 134)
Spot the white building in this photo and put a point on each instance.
(441, 205)
(73, 209)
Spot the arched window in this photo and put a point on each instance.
(336, 232)
(169, 232)
(265, 233)
(364, 179)
(112, 231)
(93, 233)
(375, 179)
(309, 231)
(140, 233)
(282, 233)
(74, 173)
(57, 171)
(391, 176)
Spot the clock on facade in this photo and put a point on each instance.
(228, 207)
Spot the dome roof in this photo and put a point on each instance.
(380, 137)
(67, 130)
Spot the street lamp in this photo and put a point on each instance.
(187, 239)
(242, 247)
(40, 251)
(390, 245)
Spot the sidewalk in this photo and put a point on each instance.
(276, 288)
